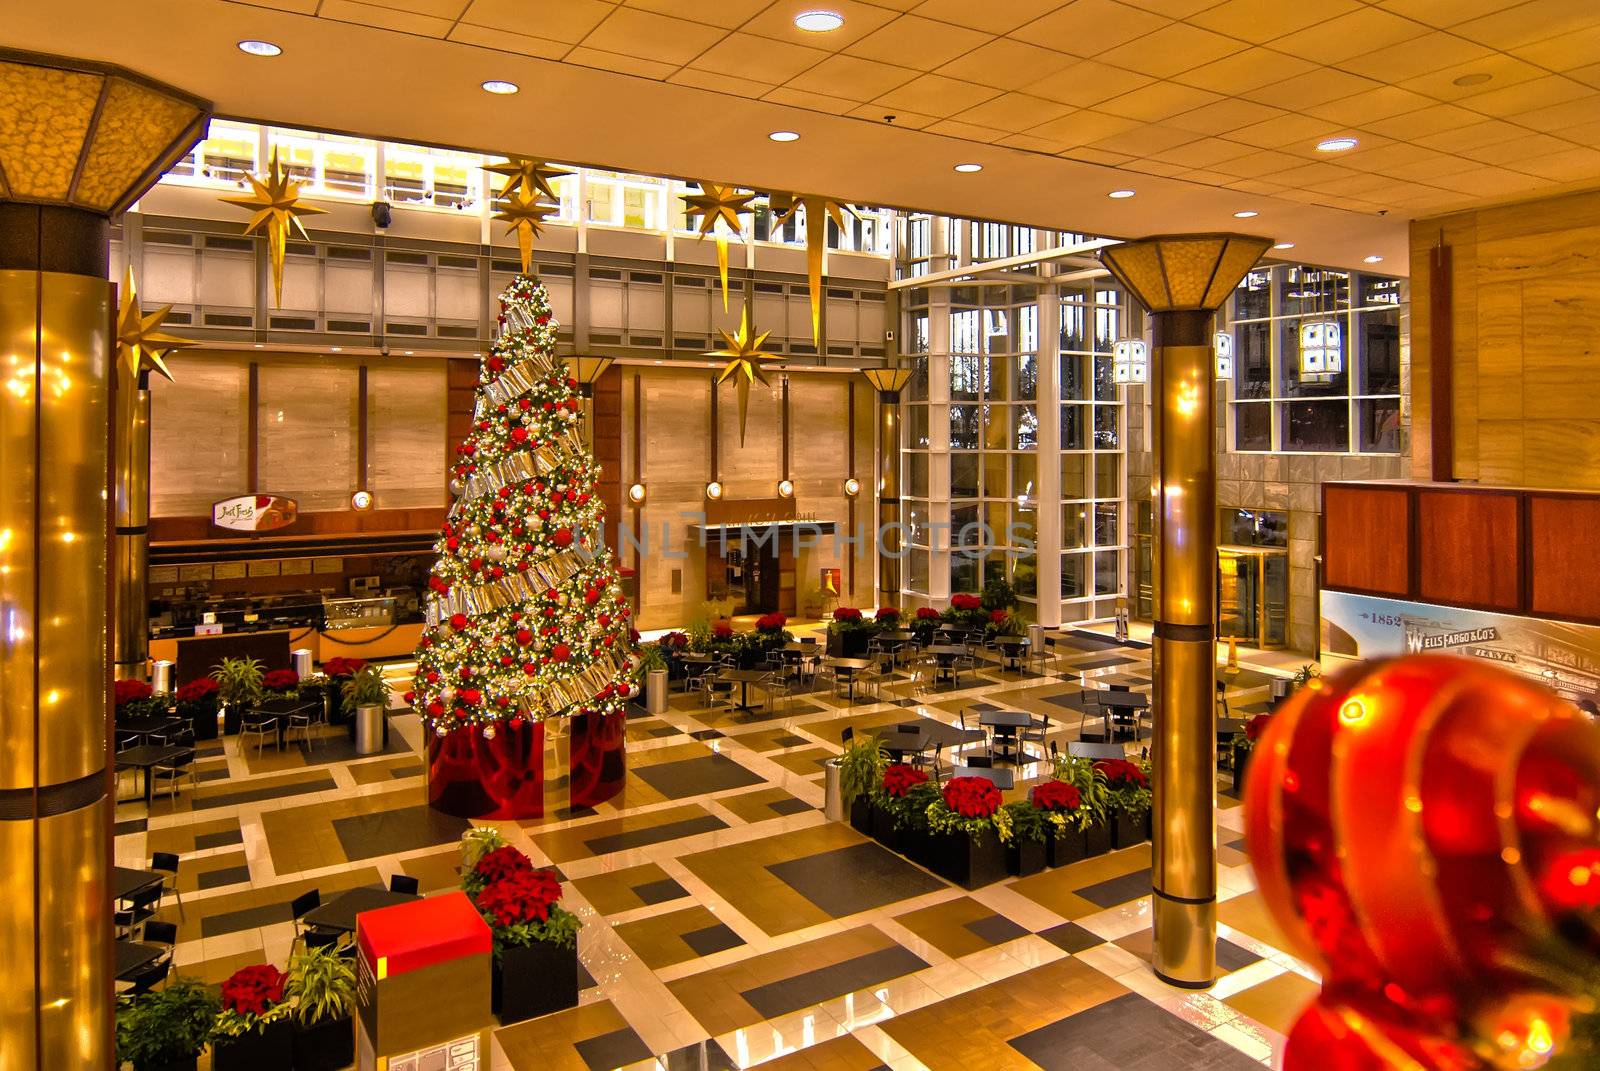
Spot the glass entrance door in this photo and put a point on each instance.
(1253, 596)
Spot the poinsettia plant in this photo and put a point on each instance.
(970, 805)
(1128, 784)
(339, 666)
(251, 997)
(771, 622)
(519, 902)
(1059, 806)
(130, 691)
(722, 630)
(675, 640)
(197, 691)
(1094, 794)
(496, 864)
(927, 613)
(904, 793)
(847, 614)
(1252, 732)
(964, 602)
(887, 615)
(280, 681)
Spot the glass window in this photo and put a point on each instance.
(964, 572)
(964, 429)
(1073, 380)
(1252, 426)
(1252, 360)
(1074, 568)
(1253, 299)
(1107, 571)
(1074, 424)
(1380, 425)
(1105, 427)
(963, 476)
(1321, 384)
(1074, 525)
(1025, 575)
(918, 342)
(1074, 325)
(965, 326)
(917, 470)
(1105, 379)
(917, 426)
(1253, 528)
(1379, 339)
(1310, 291)
(1027, 382)
(917, 570)
(1317, 426)
(1107, 476)
(1025, 427)
(965, 381)
(1106, 531)
(1074, 482)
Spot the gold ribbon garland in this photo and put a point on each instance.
(519, 468)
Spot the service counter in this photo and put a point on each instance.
(194, 656)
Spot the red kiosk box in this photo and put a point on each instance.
(423, 981)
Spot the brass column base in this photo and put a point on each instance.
(1185, 941)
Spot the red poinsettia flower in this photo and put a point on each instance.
(523, 897)
(1256, 726)
(197, 690)
(899, 779)
(847, 613)
(675, 639)
(722, 630)
(1055, 796)
(501, 864)
(887, 615)
(998, 617)
(279, 680)
(927, 613)
(1120, 773)
(962, 601)
(771, 623)
(253, 990)
(340, 666)
(130, 691)
(972, 797)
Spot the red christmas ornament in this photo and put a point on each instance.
(563, 537)
(524, 637)
(458, 621)
(519, 435)
(561, 652)
(529, 668)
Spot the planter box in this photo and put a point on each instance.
(536, 980)
(187, 1063)
(861, 815)
(851, 644)
(1025, 857)
(917, 845)
(327, 1046)
(270, 1048)
(1241, 766)
(1097, 839)
(1129, 829)
(970, 862)
(232, 714)
(1071, 847)
(884, 832)
(202, 718)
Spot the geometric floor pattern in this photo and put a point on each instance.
(728, 924)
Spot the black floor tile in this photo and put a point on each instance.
(1070, 937)
(789, 740)
(640, 838)
(256, 795)
(215, 879)
(406, 771)
(1104, 663)
(665, 730)
(341, 748)
(218, 839)
(704, 1056)
(218, 773)
(1117, 890)
(585, 979)
(610, 1051)
(132, 825)
(696, 777)
(404, 829)
(1129, 1034)
(825, 983)
(715, 938)
(708, 734)
(857, 878)
(996, 929)
(1231, 957)
(659, 892)
(250, 918)
(789, 806)
(566, 813)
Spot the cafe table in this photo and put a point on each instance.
(947, 653)
(1001, 779)
(1006, 724)
(1012, 650)
(143, 758)
(1084, 749)
(133, 957)
(144, 728)
(1112, 702)
(128, 882)
(850, 667)
(339, 914)
(744, 678)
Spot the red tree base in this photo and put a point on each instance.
(471, 777)
(597, 757)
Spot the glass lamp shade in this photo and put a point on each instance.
(1223, 345)
(1129, 363)
(1321, 349)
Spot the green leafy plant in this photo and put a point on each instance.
(476, 843)
(700, 635)
(998, 594)
(861, 767)
(1306, 674)
(651, 658)
(238, 680)
(1094, 794)
(166, 1025)
(1028, 823)
(365, 688)
(321, 985)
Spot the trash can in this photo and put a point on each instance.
(300, 661)
(161, 678)
(369, 729)
(832, 793)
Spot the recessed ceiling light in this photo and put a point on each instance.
(504, 89)
(260, 48)
(1475, 79)
(819, 21)
(1120, 194)
(1336, 144)
(784, 135)
(1374, 259)
(1284, 245)
(967, 169)
(1248, 213)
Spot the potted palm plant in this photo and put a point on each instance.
(166, 1029)
(535, 939)
(366, 697)
(253, 1032)
(239, 687)
(322, 987)
(860, 770)
(653, 665)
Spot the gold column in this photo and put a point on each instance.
(56, 410)
(1182, 280)
(131, 495)
(889, 540)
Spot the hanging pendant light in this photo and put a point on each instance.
(1222, 344)
(1129, 361)
(1321, 352)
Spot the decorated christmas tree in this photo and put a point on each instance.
(525, 620)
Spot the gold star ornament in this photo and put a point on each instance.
(278, 208)
(715, 203)
(526, 214)
(743, 352)
(141, 344)
(819, 210)
(525, 174)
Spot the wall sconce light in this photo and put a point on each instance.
(852, 487)
(1321, 350)
(713, 490)
(1128, 361)
(361, 500)
(1222, 342)
(636, 494)
(786, 488)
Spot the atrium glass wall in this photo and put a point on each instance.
(1317, 361)
(1013, 429)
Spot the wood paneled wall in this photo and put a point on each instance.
(1525, 306)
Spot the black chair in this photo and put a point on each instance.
(179, 768)
(983, 762)
(1222, 698)
(155, 933)
(167, 863)
(141, 906)
(402, 883)
(298, 907)
(161, 933)
(848, 734)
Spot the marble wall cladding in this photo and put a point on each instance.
(405, 433)
(307, 427)
(198, 447)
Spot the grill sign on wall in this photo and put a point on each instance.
(254, 513)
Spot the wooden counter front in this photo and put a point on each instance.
(378, 641)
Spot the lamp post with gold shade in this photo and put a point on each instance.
(889, 382)
(1182, 280)
(587, 371)
(79, 142)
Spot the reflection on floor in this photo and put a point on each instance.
(728, 924)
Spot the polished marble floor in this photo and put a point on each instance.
(728, 924)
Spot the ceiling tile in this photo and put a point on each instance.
(991, 16)
(567, 21)
(764, 59)
(1090, 27)
(384, 18)
(1204, 153)
(1250, 69)
(1254, 186)
(1539, 93)
(1503, 71)
(1468, 137)
(1032, 144)
(1082, 128)
(934, 94)
(1088, 82)
(875, 112)
(1097, 156)
(1171, 50)
(1563, 53)
(1487, 182)
(916, 42)
(1014, 112)
(728, 14)
(1558, 118)
(817, 102)
(1291, 129)
(1159, 101)
(1154, 167)
(1259, 21)
(298, 7)
(1146, 139)
(1351, 35)
(1256, 164)
(1316, 86)
(777, 21)
(1587, 135)
(439, 9)
(1430, 169)
(1209, 178)
(1374, 104)
(1408, 59)
(1306, 174)
(1430, 120)
(506, 41)
(852, 77)
(1355, 185)
(1226, 114)
(658, 38)
(585, 56)
(1536, 20)
(1006, 63)
(1508, 151)
(951, 128)
(1570, 166)
(1445, 12)
(720, 83)
(1589, 76)
(1172, 9)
